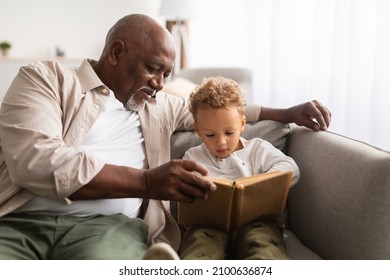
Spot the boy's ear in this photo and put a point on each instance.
(196, 128)
(243, 122)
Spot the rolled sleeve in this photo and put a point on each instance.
(75, 174)
(252, 112)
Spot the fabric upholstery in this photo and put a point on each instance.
(340, 207)
(180, 87)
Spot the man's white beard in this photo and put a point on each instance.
(133, 105)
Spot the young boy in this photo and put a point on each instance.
(218, 108)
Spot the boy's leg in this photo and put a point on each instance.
(203, 244)
(260, 240)
(111, 237)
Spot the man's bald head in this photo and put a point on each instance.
(137, 29)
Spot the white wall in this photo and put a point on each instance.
(36, 27)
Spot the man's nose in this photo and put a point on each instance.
(158, 82)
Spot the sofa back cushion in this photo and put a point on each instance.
(179, 87)
(274, 132)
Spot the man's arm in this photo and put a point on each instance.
(179, 180)
(312, 114)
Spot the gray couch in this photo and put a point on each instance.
(340, 208)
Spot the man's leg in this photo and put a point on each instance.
(204, 244)
(112, 237)
(26, 237)
(261, 240)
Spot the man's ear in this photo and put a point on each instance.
(116, 52)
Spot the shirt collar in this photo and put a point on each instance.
(88, 78)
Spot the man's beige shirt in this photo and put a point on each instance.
(44, 118)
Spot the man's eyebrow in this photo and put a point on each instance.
(161, 64)
(158, 62)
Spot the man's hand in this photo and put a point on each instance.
(312, 114)
(179, 180)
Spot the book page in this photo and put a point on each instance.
(258, 177)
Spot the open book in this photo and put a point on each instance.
(238, 202)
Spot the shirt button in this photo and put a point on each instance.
(104, 90)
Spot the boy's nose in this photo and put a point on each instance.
(221, 140)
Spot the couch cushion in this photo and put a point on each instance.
(274, 132)
(180, 87)
(296, 250)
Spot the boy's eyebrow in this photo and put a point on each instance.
(206, 130)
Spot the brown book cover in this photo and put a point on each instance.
(238, 202)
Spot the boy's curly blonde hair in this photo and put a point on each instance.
(216, 93)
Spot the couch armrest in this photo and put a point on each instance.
(340, 208)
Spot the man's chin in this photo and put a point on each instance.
(137, 102)
(135, 107)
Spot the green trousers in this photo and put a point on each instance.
(44, 237)
(260, 240)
